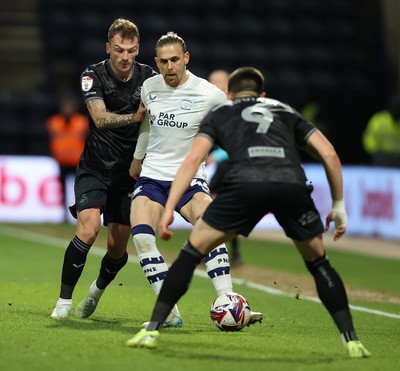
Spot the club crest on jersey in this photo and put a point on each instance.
(87, 83)
(186, 104)
(137, 93)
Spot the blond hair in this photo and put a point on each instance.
(125, 28)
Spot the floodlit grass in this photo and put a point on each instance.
(295, 335)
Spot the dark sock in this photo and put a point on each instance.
(235, 248)
(175, 284)
(333, 295)
(349, 336)
(109, 269)
(74, 262)
(346, 325)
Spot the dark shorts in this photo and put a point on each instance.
(219, 175)
(111, 195)
(158, 190)
(239, 207)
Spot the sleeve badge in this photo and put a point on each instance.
(87, 83)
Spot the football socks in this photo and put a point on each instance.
(74, 262)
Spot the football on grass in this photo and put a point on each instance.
(230, 312)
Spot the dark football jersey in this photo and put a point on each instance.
(110, 151)
(262, 137)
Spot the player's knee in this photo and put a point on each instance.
(88, 234)
(88, 228)
(144, 238)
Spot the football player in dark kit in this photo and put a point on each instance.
(111, 91)
(261, 137)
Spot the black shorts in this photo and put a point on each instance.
(239, 207)
(219, 176)
(111, 195)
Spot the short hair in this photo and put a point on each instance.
(246, 79)
(170, 38)
(125, 28)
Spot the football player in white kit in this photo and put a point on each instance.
(176, 102)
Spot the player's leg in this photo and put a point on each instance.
(217, 261)
(332, 292)
(214, 184)
(113, 261)
(192, 205)
(116, 218)
(206, 235)
(75, 258)
(145, 215)
(236, 260)
(178, 280)
(298, 216)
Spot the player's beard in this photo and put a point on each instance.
(125, 69)
(172, 80)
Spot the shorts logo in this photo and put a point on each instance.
(200, 183)
(308, 218)
(84, 200)
(136, 191)
(87, 83)
(152, 97)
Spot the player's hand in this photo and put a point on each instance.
(140, 113)
(166, 220)
(135, 169)
(339, 216)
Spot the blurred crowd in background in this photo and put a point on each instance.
(336, 61)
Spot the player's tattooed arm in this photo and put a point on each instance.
(109, 120)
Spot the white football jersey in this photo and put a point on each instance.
(174, 118)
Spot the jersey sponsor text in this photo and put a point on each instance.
(266, 152)
(165, 119)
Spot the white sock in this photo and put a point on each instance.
(154, 268)
(218, 269)
(94, 291)
(61, 301)
(152, 262)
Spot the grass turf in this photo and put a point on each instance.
(296, 334)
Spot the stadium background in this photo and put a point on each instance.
(344, 52)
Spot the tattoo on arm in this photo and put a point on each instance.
(104, 119)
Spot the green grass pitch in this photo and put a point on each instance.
(295, 334)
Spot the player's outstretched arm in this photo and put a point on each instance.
(339, 216)
(320, 147)
(186, 172)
